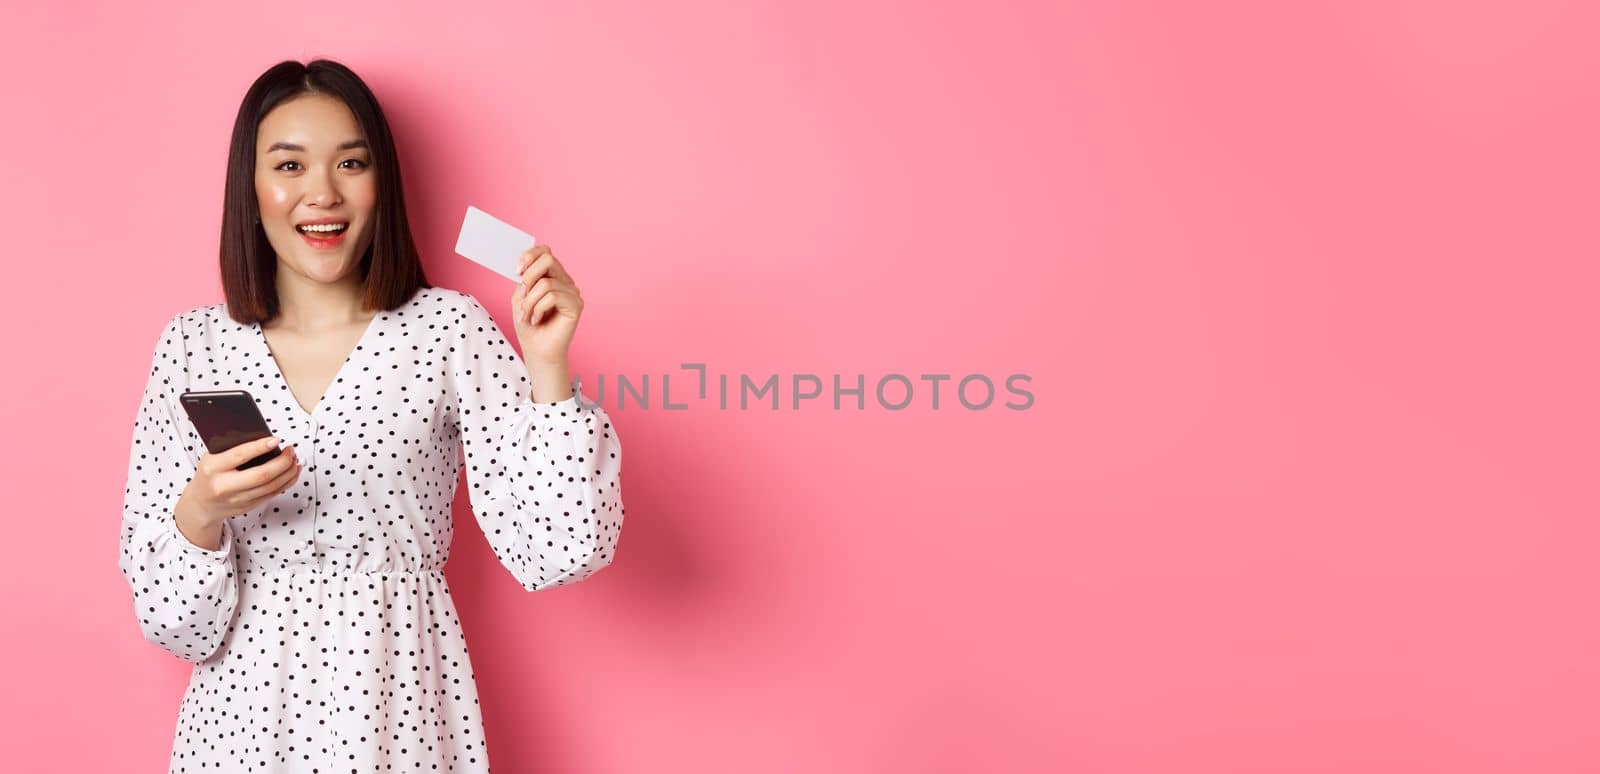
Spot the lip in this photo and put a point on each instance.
(323, 244)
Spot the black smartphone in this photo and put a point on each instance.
(227, 418)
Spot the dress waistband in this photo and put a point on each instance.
(333, 571)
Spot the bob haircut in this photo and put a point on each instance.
(391, 271)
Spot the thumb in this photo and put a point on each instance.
(249, 450)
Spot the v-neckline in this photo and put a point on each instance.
(283, 381)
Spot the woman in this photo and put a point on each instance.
(309, 590)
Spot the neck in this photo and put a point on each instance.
(308, 306)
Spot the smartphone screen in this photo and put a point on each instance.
(227, 418)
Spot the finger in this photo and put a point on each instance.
(541, 291)
(238, 454)
(558, 269)
(535, 294)
(244, 452)
(543, 306)
(249, 497)
(545, 265)
(560, 300)
(233, 480)
(531, 256)
(524, 296)
(545, 285)
(535, 268)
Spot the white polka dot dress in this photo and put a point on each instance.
(322, 630)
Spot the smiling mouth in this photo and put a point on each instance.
(323, 240)
(326, 231)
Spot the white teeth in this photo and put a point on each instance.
(327, 227)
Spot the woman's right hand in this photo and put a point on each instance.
(219, 490)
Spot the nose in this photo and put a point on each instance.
(322, 191)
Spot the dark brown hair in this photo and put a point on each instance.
(391, 270)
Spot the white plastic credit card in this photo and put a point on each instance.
(492, 243)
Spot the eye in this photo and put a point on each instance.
(281, 167)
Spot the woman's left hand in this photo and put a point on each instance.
(545, 307)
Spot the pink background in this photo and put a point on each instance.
(1306, 292)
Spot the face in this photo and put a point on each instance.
(313, 166)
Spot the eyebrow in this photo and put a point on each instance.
(289, 146)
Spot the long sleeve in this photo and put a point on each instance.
(183, 595)
(545, 478)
